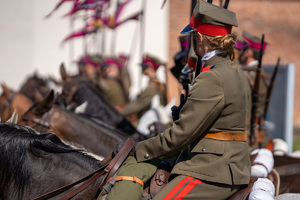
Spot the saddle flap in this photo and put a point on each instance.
(243, 193)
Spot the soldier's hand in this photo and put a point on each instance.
(176, 109)
(118, 147)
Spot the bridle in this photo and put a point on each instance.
(110, 169)
(43, 121)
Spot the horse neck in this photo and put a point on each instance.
(53, 171)
(19, 102)
(84, 132)
(22, 103)
(97, 104)
(98, 107)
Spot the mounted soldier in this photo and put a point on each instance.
(238, 47)
(112, 84)
(136, 108)
(209, 135)
(249, 59)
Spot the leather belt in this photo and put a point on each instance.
(226, 136)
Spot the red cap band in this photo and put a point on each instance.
(146, 60)
(112, 61)
(255, 45)
(209, 29)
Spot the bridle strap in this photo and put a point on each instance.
(110, 169)
(118, 160)
(66, 187)
(43, 121)
(35, 120)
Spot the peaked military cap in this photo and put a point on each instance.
(254, 41)
(210, 19)
(240, 41)
(154, 61)
(113, 61)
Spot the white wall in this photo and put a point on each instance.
(30, 43)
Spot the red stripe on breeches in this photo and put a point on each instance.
(192, 183)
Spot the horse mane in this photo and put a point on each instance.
(85, 89)
(16, 141)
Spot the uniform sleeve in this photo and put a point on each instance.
(141, 103)
(204, 105)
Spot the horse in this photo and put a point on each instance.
(35, 88)
(95, 136)
(77, 91)
(33, 164)
(11, 100)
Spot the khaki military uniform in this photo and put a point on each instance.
(143, 102)
(114, 91)
(217, 102)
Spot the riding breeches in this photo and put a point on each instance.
(128, 190)
(186, 187)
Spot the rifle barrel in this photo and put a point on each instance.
(256, 90)
(270, 88)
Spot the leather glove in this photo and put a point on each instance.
(176, 109)
(118, 147)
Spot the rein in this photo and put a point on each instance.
(110, 169)
(42, 122)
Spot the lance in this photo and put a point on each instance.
(256, 91)
(114, 33)
(270, 88)
(142, 35)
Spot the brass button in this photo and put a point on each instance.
(146, 156)
(203, 149)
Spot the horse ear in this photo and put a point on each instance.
(46, 104)
(63, 72)
(6, 90)
(14, 118)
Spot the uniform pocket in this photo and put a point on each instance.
(209, 146)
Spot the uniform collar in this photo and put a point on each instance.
(215, 59)
(209, 55)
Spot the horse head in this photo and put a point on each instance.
(37, 115)
(35, 88)
(10, 101)
(30, 159)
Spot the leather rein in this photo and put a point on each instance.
(44, 121)
(110, 166)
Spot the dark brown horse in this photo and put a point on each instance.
(77, 91)
(33, 164)
(10, 101)
(35, 88)
(97, 137)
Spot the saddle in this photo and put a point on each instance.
(158, 181)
